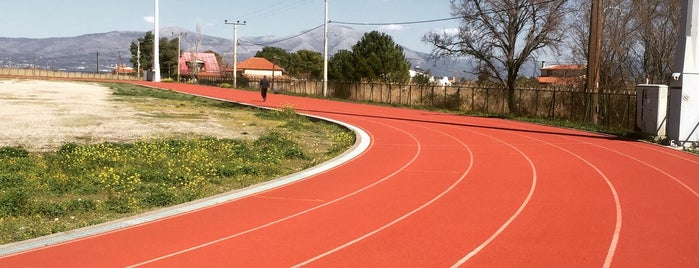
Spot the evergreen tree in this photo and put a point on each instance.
(379, 58)
(376, 57)
(168, 54)
(341, 67)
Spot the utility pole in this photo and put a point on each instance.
(179, 52)
(325, 52)
(594, 55)
(235, 50)
(156, 44)
(97, 71)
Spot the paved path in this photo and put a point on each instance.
(430, 190)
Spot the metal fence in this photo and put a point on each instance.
(616, 110)
(40, 73)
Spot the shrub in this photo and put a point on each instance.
(13, 152)
(14, 202)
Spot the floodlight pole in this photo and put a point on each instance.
(325, 52)
(235, 50)
(156, 44)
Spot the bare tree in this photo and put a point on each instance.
(639, 41)
(502, 35)
(658, 24)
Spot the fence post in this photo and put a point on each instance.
(445, 94)
(572, 105)
(536, 102)
(505, 94)
(487, 99)
(552, 109)
(473, 98)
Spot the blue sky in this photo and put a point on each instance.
(41, 18)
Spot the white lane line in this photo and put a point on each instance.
(665, 151)
(417, 153)
(617, 203)
(514, 216)
(403, 217)
(678, 181)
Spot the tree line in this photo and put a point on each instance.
(376, 57)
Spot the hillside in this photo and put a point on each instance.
(81, 53)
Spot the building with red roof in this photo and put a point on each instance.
(257, 67)
(201, 63)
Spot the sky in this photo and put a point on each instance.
(43, 19)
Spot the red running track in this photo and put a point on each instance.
(431, 190)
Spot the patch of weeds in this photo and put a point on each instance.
(13, 152)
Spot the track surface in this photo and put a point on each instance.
(432, 190)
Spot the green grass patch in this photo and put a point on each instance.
(79, 185)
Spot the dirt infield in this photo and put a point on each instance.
(42, 115)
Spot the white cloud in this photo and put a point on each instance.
(149, 19)
(451, 31)
(392, 27)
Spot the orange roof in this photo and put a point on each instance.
(256, 63)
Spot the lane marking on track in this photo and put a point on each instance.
(515, 215)
(680, 182)
(417, 153)
(652, 147)
(617, 203)
(404, 216)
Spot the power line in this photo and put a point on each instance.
(284, 39)
(276, 8)
(485, 12)
(394, 23)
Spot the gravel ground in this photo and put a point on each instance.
(40, 115)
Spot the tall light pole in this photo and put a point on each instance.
(179, 52)
(156, 44)
(138, 59)
(235, 50)
(325, 52)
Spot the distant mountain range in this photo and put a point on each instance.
(106, 50)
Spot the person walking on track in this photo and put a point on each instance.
(264, 86)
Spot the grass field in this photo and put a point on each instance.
(86, 182)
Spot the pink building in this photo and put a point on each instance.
(201, 63)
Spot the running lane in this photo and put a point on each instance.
(431, 190)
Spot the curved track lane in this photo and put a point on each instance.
(431, 190)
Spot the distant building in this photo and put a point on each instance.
(257, 68)
(445, 81)
(201, 63)
(123, 69)
(562, 74)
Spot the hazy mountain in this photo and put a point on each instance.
(82, 53)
